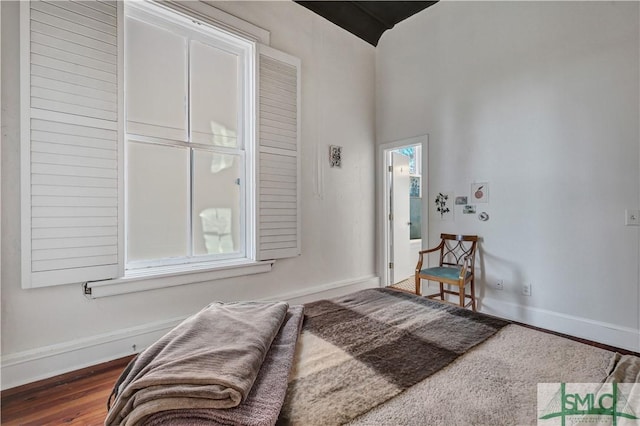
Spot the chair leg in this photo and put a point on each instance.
(473, 295)
(418, 286)
(461, 293)
(442, 291)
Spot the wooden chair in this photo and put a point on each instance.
(456, 268)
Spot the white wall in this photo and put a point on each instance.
(541, 100)
(44, 329)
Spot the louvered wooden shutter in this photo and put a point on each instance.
(278, 171)
(71, 141)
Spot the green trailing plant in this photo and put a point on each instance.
(441, 204)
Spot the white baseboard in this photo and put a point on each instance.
(44, 362)
(48, 361)
(326, 291)
(597, 331)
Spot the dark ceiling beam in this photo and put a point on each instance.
(387, 23)
(347, 15)
(366, 19)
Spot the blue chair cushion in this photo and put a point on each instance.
(450, 273)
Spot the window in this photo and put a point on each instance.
(206, 158)
(188, 140)
(414, 152)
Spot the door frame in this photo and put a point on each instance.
(384, 206)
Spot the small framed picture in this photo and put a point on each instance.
(469, 209)
(480, 192)
(461, 201)
(335, 156)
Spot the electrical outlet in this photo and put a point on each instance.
(526, 289)
(632, 217)
(499, 285)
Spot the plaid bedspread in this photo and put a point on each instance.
(358, 351)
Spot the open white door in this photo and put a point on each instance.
(401, 258)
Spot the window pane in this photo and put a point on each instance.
(157, 201)
(214, 95)
(156, 80)
(415, 217)
(216, 203)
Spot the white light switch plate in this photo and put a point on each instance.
(632, 217)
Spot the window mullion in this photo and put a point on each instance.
(191, 153)
(191, 206)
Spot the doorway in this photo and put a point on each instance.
(404, 220)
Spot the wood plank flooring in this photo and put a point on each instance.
(76, 398)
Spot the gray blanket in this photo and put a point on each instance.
(262, 406)
(210, 360)
(624, 369)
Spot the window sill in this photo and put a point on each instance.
(171, 276)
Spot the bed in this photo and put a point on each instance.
(385, 357)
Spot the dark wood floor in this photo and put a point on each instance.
(76, 398)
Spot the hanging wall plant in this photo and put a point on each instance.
(441, 204)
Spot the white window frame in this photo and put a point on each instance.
(245, 50)
(136, 280)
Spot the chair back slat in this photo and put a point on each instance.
(456, 248)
